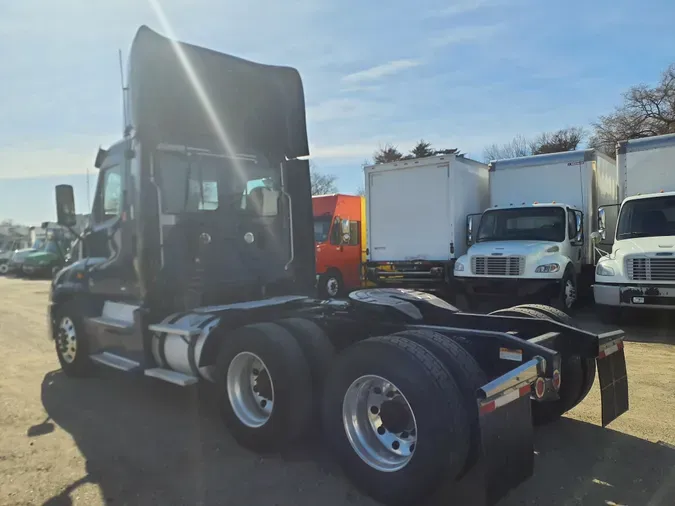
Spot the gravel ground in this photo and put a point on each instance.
(118, 440)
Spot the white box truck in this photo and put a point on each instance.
(534, 240)
(416, 211)
(640, 270)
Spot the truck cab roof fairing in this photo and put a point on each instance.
(260, 108)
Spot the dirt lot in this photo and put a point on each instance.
(119, 440)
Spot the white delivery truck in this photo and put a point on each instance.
(534, 240)
(416, 211)
(640, 270)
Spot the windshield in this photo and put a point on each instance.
(52, 247)
(322, 228)
(38, 244)
(652, 217)
(207, 183)
(532, 223)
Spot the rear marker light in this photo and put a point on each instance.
(539, 388)
(556, 379)
(489, 407)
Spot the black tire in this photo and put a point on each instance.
(560, 302)
(4, 268)
(330, 284)
(317, 349)
(571, 373)
(81, 366)
(443, 426)
(466, 372)
(291, 379)
(609, 315)
(587, 364)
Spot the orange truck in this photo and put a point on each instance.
(340, 237)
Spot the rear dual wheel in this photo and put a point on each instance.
(397, 418)
(268, 376)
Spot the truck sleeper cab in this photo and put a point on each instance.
(338, 233)
(199, 266)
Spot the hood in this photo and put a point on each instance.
(39, 257)
(644, 246)
(21, 254)
(507, 248)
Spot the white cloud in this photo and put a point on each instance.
(464, 34)
(380, 71)
(340, 109)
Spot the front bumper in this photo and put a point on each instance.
(505, 287)
(633, 295)
(423, 275)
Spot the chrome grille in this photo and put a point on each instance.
(650, 269)
(498, 265)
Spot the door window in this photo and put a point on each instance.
(111, 193)
(335, 232)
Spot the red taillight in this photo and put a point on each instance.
(539, 388)
(556, 379)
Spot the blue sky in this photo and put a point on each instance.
(463, 73)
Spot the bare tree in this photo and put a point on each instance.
(566, 139)
(519, 146)
(322, 184)
(645, 112)
(388, 153)
(361, 190)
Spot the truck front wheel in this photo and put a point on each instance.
(567, 294)
(264, 387)
(72, 347)
(4, 268)
(396, 419)
(330, 285)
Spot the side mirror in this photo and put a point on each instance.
(602, 223)
(65, 206)
(345, 227)
(471, 225)
(345, 238)
(579, 237)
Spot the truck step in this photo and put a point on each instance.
(113, 324)
(115, 361)
(167, 328)
(177, 378)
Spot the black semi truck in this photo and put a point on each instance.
(200, 267)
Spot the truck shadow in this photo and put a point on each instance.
(145, 442)
(640, 326)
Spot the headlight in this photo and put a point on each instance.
(603, 270)
(459, 267)
(547, 268)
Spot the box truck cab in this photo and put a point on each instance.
(338, 230)
(640, 270)
(533, 242)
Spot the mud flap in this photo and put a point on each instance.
(613, 382)
(507, 439)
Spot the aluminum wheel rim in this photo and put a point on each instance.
(67, 337)
(250, 389)
(380, 424)
(332, 287)
(570, 294)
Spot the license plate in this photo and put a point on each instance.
(638, 300)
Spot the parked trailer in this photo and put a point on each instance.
(200, 267)
(416, 212)
(640, 270)
(534, 240)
